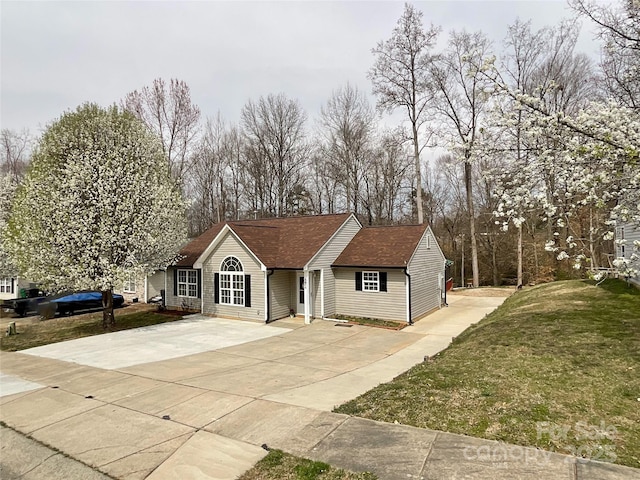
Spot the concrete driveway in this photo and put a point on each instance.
(166, 412)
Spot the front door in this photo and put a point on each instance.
(300, 293)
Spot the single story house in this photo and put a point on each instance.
(313, 266)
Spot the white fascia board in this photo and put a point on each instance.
(214, 243)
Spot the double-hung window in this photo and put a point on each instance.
(370, 282)
(130, 284)
(187, 283)
(6, 285)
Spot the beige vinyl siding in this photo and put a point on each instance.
(389, 305)
(424, 268)
(280, 290)
(230, 246)
(323, 260)
(176, 302)
(155, 283)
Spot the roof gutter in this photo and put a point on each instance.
(408, 294)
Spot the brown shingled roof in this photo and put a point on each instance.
(192, 250)
(390, 246)
(278, 242)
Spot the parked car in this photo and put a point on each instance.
(69, 303)
(27, 304)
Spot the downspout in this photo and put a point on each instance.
(269, 273)
(408, 294)
(445, 284)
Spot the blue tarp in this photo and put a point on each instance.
(83, 297)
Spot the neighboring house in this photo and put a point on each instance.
(391, 273)
(626, 235)
(266, 269)
(143, 288)
(10, 287)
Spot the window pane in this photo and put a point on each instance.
(238, 298)
(193, 276)
(182, 289)
(193, 291)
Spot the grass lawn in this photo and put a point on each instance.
(67, 328)
(557, 366)
(280, 465)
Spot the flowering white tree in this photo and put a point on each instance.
(8, 268)
(96, 204)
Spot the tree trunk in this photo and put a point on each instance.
(472, 224)
(519, 282)
(416, 158)
(108, 318)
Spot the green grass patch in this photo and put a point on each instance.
(281, 465)
(374, 322)
(68, 328)
(557, 366)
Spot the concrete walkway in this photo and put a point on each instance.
(205, 415)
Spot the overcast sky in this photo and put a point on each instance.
(58, 55)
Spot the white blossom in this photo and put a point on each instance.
(96, 205)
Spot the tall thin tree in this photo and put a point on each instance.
(400, 77)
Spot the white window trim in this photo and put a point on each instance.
(5, 284)
(371, 283)
(131, 281)
(187, 283)
(229, 277)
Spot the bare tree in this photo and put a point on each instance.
(207, 178)
(348, 121)
(400, 77)
(276, 151)
(387, 178)
(619, 28)
(325, 185)
(15, 152)
(460, 102)
(168, 111)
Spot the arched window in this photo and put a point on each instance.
(232, 282)
(231, 264)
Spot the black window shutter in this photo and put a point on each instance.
(247, 290)
(13, 285)
(383, 281)
(175, 282)
(199, 283)
(216, 288)
(359, 281)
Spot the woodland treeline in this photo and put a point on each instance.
(485, 146)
